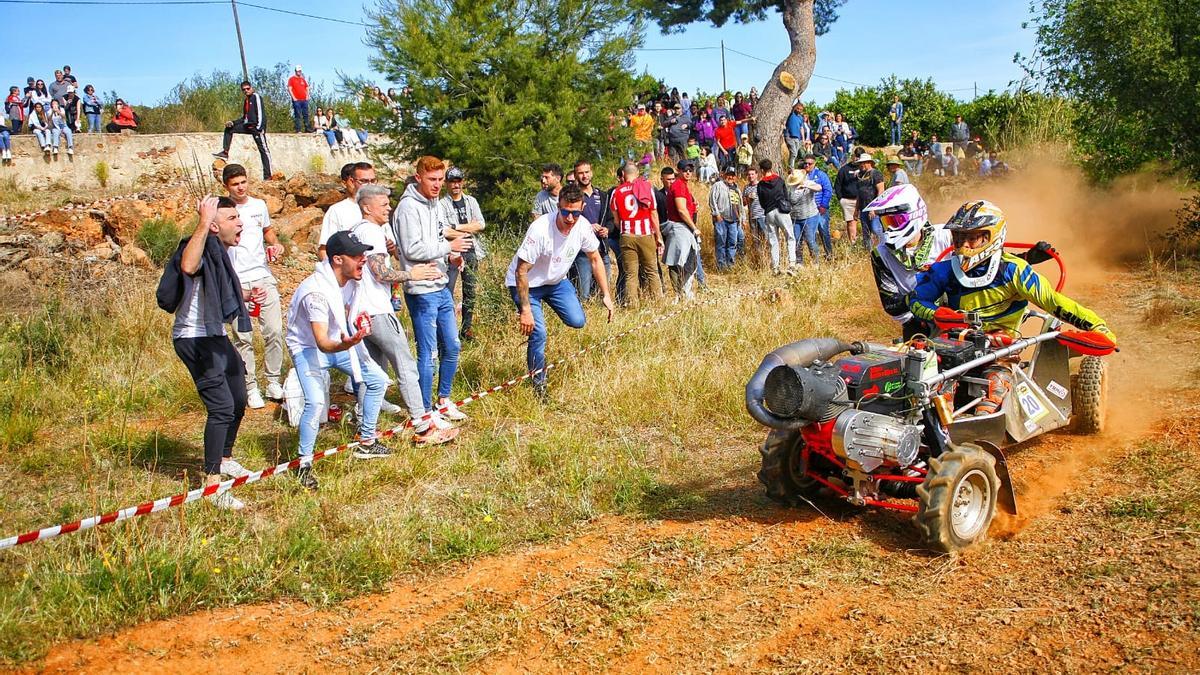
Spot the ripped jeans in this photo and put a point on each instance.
(309, 363)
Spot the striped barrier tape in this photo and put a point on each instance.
(164, 503)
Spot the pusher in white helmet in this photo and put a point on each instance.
(910, 245)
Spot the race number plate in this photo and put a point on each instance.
(1033, 408)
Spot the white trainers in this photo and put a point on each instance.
(254, 399)
(232, 468)
(390, 408)
(440, 422)
(70, 151)
(450, 411)
(225, 500)
(275, 391)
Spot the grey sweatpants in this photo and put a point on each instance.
(387, 344)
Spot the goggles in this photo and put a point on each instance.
(895, 221)
(970, 237)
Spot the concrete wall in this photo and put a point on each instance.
(131, 156)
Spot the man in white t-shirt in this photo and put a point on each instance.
(538, 273)
(257, 247)
(387, 343)
(326, 325)
(345, 214)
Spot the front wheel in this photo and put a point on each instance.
(958, 498)
(1089, 396)
(782, 471)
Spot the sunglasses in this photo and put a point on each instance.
(570, 213)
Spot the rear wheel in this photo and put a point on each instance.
(781, 470)
(958, 498)
(1089, 395)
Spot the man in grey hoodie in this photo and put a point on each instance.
(419, 223)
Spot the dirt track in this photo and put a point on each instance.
(1098, 574)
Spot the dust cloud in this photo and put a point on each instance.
(1093, 228)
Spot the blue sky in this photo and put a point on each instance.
(141, 52)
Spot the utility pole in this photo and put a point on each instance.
(976, 90)
(724, 84)
(241, 45)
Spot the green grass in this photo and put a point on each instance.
(106, 416)
(159, 238)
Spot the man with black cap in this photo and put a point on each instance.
(326, 326)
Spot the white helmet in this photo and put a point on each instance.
(902, 212)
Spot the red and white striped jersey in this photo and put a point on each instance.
(633, 214)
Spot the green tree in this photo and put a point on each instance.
(804, 20)
(926, 109)
(1132, 66)
(501, 87)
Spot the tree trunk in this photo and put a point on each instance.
(775, 103)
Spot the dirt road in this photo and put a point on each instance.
(1098, 574)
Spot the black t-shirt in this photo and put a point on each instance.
(866, 185)
(460, 208)
(660, 204)
(845, 184)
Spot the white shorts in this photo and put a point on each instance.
(848, 206)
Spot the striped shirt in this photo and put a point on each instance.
(635, 217)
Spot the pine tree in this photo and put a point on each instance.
(499, 88)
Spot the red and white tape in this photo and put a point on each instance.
(164, 503)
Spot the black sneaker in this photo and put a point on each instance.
(221, 154)
(307, 478)
(376, 450)
(541, 392)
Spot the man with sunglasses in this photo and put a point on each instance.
(538, 274)
(346, 213)
(253, 122)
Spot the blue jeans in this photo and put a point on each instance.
(895, 129)
(93, 123)
(362, 136)
(58, 131)
(741, 128)
(434, 325)
(309, 364)
(5, 141)
(806, 235)
(870, 225)
(43, 137)
(726, 235)
(562, 299)
(330, 137)
(300, 116)
(583, 275)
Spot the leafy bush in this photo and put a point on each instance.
(316, 163)
(159, 238)
(102, 173)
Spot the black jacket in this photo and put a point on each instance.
(222, 289)
(773, 195)
(845, 184)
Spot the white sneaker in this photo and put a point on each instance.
(349, 388)
(225, 500)
(54, 151)
(254, 400)
(274, 391)
(440, 422)
(230, 467)
(450, 411)
(390, 408)
(70, 151)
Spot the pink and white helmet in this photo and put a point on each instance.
(903, 213)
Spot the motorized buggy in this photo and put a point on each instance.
(894, 426)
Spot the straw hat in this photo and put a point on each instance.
(796, 177)
(864, 157)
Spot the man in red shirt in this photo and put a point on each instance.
(682, 255)
(298, 88)
(726, 142)
(634, 206)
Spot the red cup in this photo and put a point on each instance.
(272, 256)
(254, 307)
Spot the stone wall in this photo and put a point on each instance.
(131, 156)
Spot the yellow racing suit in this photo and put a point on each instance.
(1001, 305)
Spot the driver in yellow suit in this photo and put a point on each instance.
(981, 277)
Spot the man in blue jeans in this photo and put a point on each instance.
(822, 198)
(725, 205)
(538, 273)
(418, 224)
(324, 331)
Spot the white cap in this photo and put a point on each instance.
(298, 67)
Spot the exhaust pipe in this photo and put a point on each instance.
(796, 354)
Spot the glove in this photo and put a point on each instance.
(1040, 253)
(1104, 330)
(949, 319)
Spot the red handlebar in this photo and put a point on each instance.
(1062, 268)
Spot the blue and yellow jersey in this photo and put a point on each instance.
(1001, 303)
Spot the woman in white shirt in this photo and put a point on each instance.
(324, 124)
(39, 123)
(60, 128)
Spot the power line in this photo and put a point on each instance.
(307, 16)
